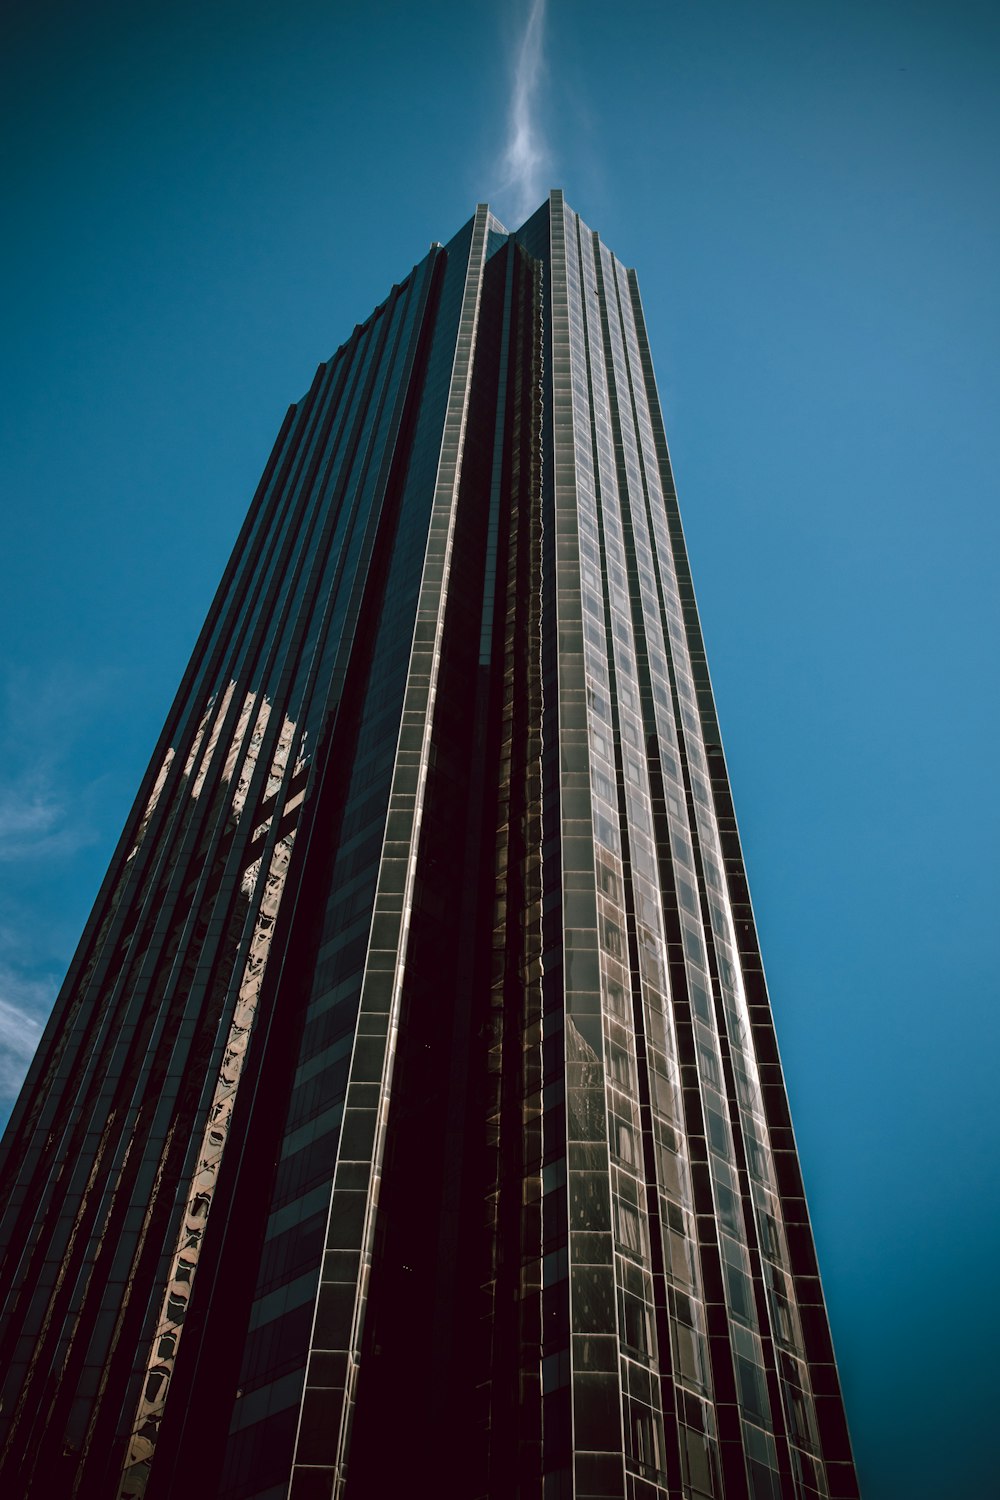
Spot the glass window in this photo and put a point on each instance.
(643, 1435)
(629, 1227)
(611, 937)
(634, 1321)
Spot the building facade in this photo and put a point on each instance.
(411, 1113)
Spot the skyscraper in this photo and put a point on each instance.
(411, 1114)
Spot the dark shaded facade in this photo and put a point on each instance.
(412, 1109)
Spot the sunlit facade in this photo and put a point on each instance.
(412, 1112)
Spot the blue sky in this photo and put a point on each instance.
(203, 199)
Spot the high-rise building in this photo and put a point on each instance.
(411, 1116)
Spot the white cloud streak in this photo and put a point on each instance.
(526, 155)
(33, 822)
(24, 1006)
(26, 815)
(47, 749)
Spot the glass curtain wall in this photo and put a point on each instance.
(412, 1104)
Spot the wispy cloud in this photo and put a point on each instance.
(46, 783)
(24, 1005)
(33, 820)
(28, 813)
(52, 768)
(526, 155)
